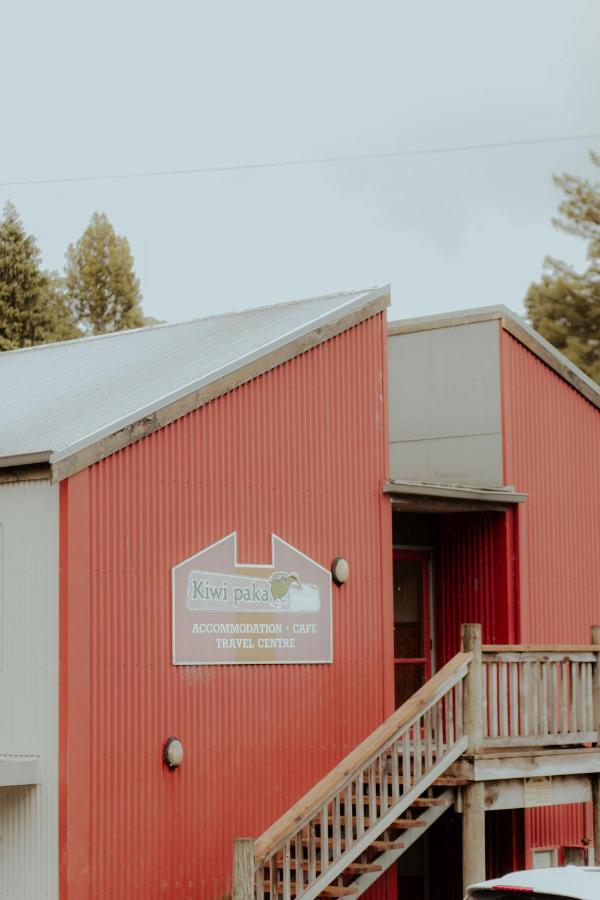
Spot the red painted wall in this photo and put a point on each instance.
(300, 451)
(474, 579)
(551, 451)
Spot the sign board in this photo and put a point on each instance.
(225, 612)
(537, 792)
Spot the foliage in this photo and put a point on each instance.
(100, 280)
(565, 305)
(33, 309)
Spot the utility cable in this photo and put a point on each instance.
(313, 161)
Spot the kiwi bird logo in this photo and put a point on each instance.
(281, 582)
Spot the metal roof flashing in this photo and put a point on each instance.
(263, 337)
(519, 329)
(418, 496)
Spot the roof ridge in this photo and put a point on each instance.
(163, 325)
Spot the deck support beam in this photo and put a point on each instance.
(473, 833)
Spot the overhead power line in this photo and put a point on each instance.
(312, 161)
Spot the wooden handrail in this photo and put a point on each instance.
(540, 648)
(312, 801)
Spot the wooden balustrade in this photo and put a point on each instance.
(538, 696)
(345, 813)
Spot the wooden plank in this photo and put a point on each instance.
(503, 698)
(348, 820)
(387, 845)
(324, 832)
(534, 764)
(336, 829)
(543, 740)
(492, 672)
(286, 871)
(312, 853)
(555, 791)
(337, 891)
(359, 868)
(514, 698)
(243, 869)
(520, 649)
(473, 834)
(395, 777)
(473, 694)
(360, 808)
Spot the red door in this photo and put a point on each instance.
(412, 621)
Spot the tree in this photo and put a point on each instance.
(33, 309)
(565, 305)
(100, 281)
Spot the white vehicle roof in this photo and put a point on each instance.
(577, 882)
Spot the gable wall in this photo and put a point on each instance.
(302, 452)
(552, 452)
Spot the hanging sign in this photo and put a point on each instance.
(225, 612)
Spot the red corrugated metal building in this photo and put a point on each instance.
(461, 485)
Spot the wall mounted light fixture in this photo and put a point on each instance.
(173, 752)
(340, 570)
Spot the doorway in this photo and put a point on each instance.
(413, 646)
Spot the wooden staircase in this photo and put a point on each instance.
(339, 838)
(353, 825)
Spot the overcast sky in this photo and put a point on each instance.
(118, 87)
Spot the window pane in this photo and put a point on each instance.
(408, 609)
(409, 679)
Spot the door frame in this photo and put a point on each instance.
(423, 554)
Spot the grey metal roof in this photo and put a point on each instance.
(59, 398)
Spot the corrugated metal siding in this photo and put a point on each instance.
(300, 451)
(551, 441)
(473, 579)
(29, 686)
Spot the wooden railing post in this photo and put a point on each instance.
(596, 725)
(473, 689)
(243, 869)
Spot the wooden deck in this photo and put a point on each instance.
(499, 727)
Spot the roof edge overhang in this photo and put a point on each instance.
(120, 434)
(417, 496)
(519, 329)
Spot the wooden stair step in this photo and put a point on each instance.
(387, 845)
(398, 823)
(444, 781)
(358, 868)
(428, 801)
(331, 891)
(335, 891)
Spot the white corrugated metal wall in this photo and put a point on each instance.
(29, 686)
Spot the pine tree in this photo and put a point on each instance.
(32, 308)
(565, 305)
(100, 282)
